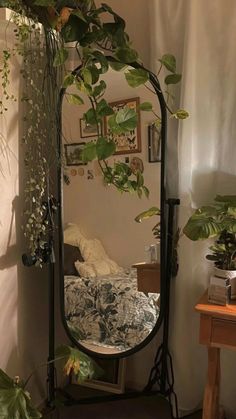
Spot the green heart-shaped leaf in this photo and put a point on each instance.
(74, 99)
(173, 79)
(105, 148)
(127, 119)
(169, 61)
(136, 77)
(145, 106)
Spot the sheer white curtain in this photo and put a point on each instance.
(201, 34)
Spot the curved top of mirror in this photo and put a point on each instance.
(111, 270)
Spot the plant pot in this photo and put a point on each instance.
(231, 275)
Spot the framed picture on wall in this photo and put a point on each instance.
(129, 142)
(72, 154)
(113, 379)
(89, 130)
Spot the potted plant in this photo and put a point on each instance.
(217, 220)
(15, 400)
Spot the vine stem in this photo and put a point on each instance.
(45, 364)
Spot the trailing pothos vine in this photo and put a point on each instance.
(101, 42)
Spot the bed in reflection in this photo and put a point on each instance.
(103, 307)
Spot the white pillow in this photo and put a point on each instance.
(92, 249)
(92, 269)
(73, 235)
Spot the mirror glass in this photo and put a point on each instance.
(111, 262)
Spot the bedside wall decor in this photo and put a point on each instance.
(88, 130)
(72, 154)
(129, 142)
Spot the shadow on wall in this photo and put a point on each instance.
(206, 185)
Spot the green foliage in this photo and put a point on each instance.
(173, 79)
(74, 99)
(145, 215)
(145, 106)
(216, 220)
(137, 77)
(82, 366)
(181, 114)
(15, 402)
(100, 43)
(169, 61)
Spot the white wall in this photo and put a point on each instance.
(23, 291)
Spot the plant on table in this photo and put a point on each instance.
(216, 220)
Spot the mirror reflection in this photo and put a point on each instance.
(111, 262)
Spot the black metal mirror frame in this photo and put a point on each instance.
(165, 277)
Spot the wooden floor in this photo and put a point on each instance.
(145, 407)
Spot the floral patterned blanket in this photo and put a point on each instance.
(109, 310)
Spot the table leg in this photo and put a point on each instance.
(212, 389)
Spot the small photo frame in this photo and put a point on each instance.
(72, 154)
(129, 142)
(89, 130)
(154, 144)
(113, 379)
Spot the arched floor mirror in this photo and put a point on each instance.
(114, 313)
(113, 271)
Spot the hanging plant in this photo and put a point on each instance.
(100, 44)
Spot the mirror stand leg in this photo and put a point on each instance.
(162, 372)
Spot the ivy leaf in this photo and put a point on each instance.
(145, 106)
(74, 29)
(114, 127)
(74, 99)
(68, 80)
(99, 89)
(136, 77)
(173, 79)
(147, 214)
(89, 152)
(102, 61)
(140, 178)
(87, 76)
(60, 57)
(117, 66)
(126, 55)
(146, 191)
(103, 109)
(169, 62)
(105, 148)
(91, 117)
(180, 114)
(127, 119)
(95, 73)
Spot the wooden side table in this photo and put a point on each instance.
(217, 330)
(148, 275)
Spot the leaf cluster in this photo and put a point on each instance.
(216, 220)
(15, 401)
